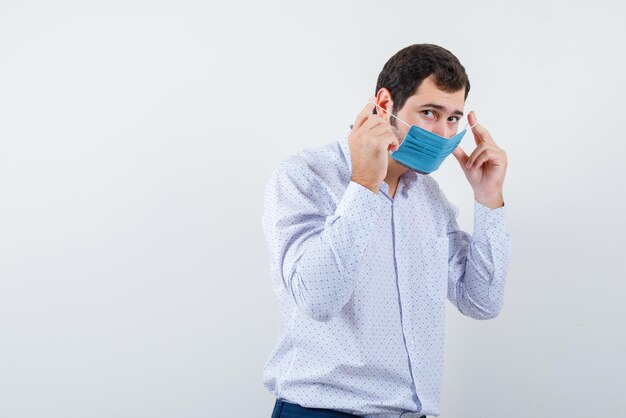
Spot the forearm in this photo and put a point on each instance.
(481, 265)
(318, 265)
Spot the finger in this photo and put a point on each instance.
(496, 158)
(384, 136)
(482, 159)
(391, 142)
(460, 155)
(480, 133)
(389, 136)
(471, 118)
(381, 129)
(474, 155)
(372, 122)
(365, 113)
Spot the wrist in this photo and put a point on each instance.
(368, 184)
(491, 201)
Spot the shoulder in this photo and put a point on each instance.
(322, 164)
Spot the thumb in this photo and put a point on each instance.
(471, 118)
(473, 121)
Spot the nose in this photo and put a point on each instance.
(441, 128)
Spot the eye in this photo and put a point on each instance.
(429, 114)
(453, 119)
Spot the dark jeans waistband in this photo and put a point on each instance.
(283, 409)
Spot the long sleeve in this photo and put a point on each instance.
(316, 243)
(478, 263)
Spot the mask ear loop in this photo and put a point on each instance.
(390, 114)
(471, 126)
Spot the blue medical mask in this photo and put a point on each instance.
(422, 150)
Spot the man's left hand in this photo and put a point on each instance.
(485, 167)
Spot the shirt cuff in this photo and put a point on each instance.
(359, 204)
(488, 222)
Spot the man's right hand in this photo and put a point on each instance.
(370, 141)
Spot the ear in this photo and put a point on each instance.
(383, 98)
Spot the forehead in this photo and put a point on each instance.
(429, 93)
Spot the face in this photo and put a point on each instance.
(429, 108)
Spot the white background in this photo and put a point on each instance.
(135, 142)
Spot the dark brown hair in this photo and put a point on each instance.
(404, 72)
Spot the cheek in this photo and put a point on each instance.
(400, 132)
(423, 122)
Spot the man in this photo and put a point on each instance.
(364, 251)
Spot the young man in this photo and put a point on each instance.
(364, 252)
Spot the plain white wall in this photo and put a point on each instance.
(135, 141)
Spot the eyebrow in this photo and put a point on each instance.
(440, 107)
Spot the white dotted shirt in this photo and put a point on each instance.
(361, 281)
